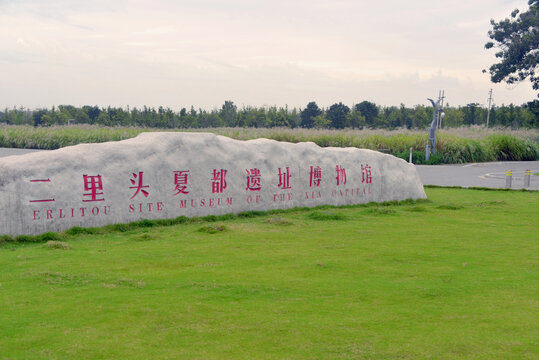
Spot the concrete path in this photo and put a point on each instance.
(490, 175)
(10, 152)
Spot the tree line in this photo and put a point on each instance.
(337, 116)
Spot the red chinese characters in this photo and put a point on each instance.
(92, 185)
(366, 176)
(180, 180)
(253, 180)
(284, 179)
(218, 182)
(138, 182)
(41, 181)
(341, 175)
(315, 176)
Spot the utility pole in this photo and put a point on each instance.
(489, 102)
(441, 98)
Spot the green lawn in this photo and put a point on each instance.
(453, 278)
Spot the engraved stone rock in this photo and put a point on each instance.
(165, 175)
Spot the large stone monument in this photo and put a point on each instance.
(165, 175)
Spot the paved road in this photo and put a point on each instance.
(9, 152)
(490, 175)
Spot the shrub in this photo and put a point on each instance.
(509, 148)
(47, 236)
(77, 230)
(6, 239)
(212, 229)
(315, 215)
(460, 145)
(51, 244)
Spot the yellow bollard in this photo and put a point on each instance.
(508, 179)
(527, 176)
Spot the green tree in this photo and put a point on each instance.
(354, 119)
(533, 110)
(454, 117)
(321, 122)
(103, 119)
(517, 39)
(471, 114)
(37, 116)
(420, 117)
(280, 119)
(82, 118)
(92, 112)
(369, 110)
(337, 115)
(309, 113)
(228, 113)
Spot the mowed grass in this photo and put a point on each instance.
(456, 277)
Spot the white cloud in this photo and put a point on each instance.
(178, 53)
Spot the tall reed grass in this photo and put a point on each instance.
(460, 145)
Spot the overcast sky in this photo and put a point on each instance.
(203, 52)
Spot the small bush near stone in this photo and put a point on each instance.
(378, 211)
(279, 221)
(77, 230)
(210, 218)
(251, 214)
(144, 237)
(450, 207)
(142, 223)
(212, 229)
(47, 236)
(51, 244)
(25, 238)
(6, 239)
(315, 215)
(118, 227)
(492, 203)
(417, 209)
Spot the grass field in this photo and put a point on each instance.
(455, 277)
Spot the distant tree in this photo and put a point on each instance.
(391, 117)
(82, 118)
(533, 109)
(337, 115)
(404, 114)
(420, 117)
(321, 122)
(309, 113)
(354, 119)
(46, 120)
(228, 113)
(279, 119)
(103, 119)
(188, 119)
(454, 117)
(92, 112)
(518, 40)
(37, 116)
(258, 117)
(471, 114)
(369, 110)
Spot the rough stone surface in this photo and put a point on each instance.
(165, 175)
